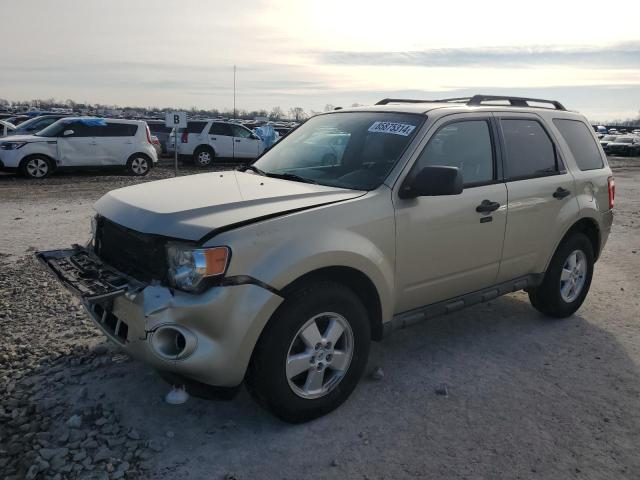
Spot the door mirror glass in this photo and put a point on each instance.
(67, 133)
(433, 181)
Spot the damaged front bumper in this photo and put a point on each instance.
(208, 337)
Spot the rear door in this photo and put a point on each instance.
(221, 139)
(245, 143)
(542, 203)
(115, 142)
(79, 147)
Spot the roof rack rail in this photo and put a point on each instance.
(477, 100)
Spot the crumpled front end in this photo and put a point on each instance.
(208, 337)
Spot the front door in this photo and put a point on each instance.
(451, 245)
(78, 146)
(245, 144)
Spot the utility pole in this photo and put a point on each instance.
(234, 92)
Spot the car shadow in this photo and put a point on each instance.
(524, 395)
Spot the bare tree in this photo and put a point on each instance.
(276, 113)
(328, 107)
(297, 113)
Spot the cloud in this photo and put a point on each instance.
(621, 55)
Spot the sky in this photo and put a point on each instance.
(300, 53)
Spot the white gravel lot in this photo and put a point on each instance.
(528, 397)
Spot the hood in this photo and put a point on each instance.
(193, 206)
(26, 138)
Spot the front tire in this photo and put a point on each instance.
(36, 167)
(567, 280)
(312, 353)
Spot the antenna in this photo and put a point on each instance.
(234, 92)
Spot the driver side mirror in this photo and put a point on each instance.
(66, 133)
(433, 181)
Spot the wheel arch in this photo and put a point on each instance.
(205, 146)
(351, 278)
(26, 158)
(590, 228)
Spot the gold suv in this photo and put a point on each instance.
(279, 274)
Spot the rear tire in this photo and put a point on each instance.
(312, 353)
(138, 165)
(203, 157)
(567, 280)
(36, 167)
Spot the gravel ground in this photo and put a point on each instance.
(495, 391)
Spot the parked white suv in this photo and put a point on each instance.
(80, 142)
(281, 273)
(204, 140)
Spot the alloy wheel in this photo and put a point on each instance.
(37, 168)
(139, 166)
(573, 276)
(319, 355)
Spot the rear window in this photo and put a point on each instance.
(581, 143)
(116, 130)
(194, 127)
(530, 152)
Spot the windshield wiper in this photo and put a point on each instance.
(291, 176)
(253, 169)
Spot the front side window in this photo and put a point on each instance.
(529, 150)
(466, 145)
(372, 143)
(581, 143)
(240, 132)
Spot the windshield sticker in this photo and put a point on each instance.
(392, 127)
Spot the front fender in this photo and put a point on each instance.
(358, 233)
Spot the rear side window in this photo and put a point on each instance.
(223, 129)
(466, 145)
(159, 128)
(195, 127)
(581, 143)
(529, 150)
(116, 130)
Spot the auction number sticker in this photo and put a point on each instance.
(392, 127)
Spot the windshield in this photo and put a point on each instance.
(54, 129)
(609, 138)
(354, 150)
(625, 140)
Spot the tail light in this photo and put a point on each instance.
(149, 135)
(185, 137)
(612, 191)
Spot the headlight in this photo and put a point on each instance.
(12, 145)
(189, 266)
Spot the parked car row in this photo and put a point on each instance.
(621, 145)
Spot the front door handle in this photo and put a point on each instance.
(561, 193)
(487, 206)
(214, 138)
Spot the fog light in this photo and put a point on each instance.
(173, 342)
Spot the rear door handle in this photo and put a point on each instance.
(487, 206)
(561, 193)
(238, 140)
